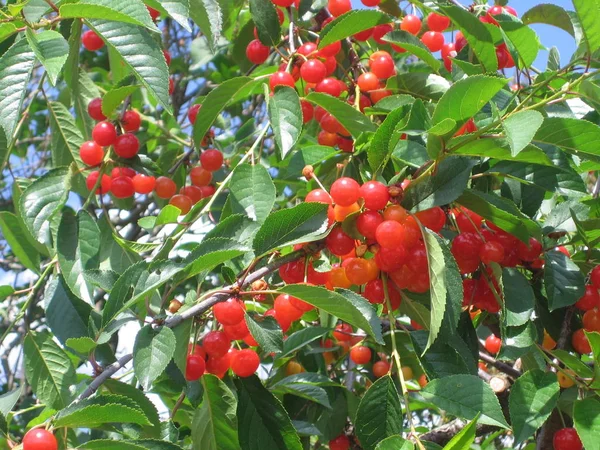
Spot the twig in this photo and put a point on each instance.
(105, 375)
(502, 367)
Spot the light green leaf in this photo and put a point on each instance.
(9, 400)
(286, 117)
(208, 15)
(413, 45)
(421, 85)
(385, 139)
(395, 443)
(66, 140)
(498, 148)
(212, 252)
(349, 24)
(588, 11)
(92, 412)
(520, 129)
(565, 284)
(132, 12)
(83, 345)
(464, 439)
(168, 214)
(252, 192)
(177, 9)
(586, 415)
(549, 14)
(115, 97)
(152, 353)
(16, 238)
(578, 137)
(6, 291)
(266, 332)
(7, 30)
(51, 48)
(264, 15)
(525, 41)
(352, 120)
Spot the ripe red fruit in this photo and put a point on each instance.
(229, 312)
(95, 109)
(379, 31)
(433, 40)
(433, 218)
(511, 10)
(530, 253)
(374, 292)
(345, 191)
(281, 78)
(194, 367)
(595, 277)
(417, 259)
(105, 183)
(370, 2)
(256, 52)
(339, 7)
(91, 41)
(200, 176)
(589, 300)
(360, 354)
(218, 366)
(285, 310)
(491, 251)
(390, 259)
(193, 192)
(154, 14)
(216, 344)
(236, 332)
(193, 113)
(437, 22)
(122, 187)
(307, 49)
(383, 66)
(143, 184)
(381, 368)
(39, 439)
(331, 50)
(364, 35)
(591, 320)
(244, 363)
(183, 202)
(460, 41)
(131, 121)
(211, 159)
(342, 332)
(167, 56)
(493, 344)
(165, 187)
(411, 24)
(466, 245)
(318, 196)
(330, 124)
(308, 111)
(339, 243)
(580, 342)
(313, 71)
(127, 145)
(468, 221)
(389, 234)
(566, 439)
(327, 139)
(375, 194)
(339, 443)
(329, 86)
(283, 3)
(368, 82)
(104, 134)
(122, 172)
(367, 223)
(91, 153)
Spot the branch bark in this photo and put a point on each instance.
(444, 433)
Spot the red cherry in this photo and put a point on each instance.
(390, 259)
(511, 10)
(389, 234)
(380, 369)
(330, 50)
(165, 187)
(532, 252)
(327, 139)
(591, 320)
(590, 299)
(374, 292)
(208, 191)
(39, 439)
(460, 41)
(256, 52)
(493, 344)
(367, 223)
(95, 109)
(342, 331)
(319, 196)
(91, 41)
(411, 24)
(339, 7)
(285, 310)
(171, 86)
(104, 134)
(236, 332)
(566, 439)
(193, 192)
(595, 277)
(364, 35)
(383, 66)
(580, 342)
(368, 82)
(449, 50)
(331, 125)
(283, 3)
(433, 40)
(281, 78)
(193, 113)
(167, 56)
(154, 14)
(216, 344)
(466, 245)
(122, 187)
(91, 153)
(122, 172)
(229, 312)
(131, 121)
(329, 86)
(417, 259)
(492, 251)
(183, 202)
(437, 22)
(244, 363)
(375, 194)
(127, 145)
(357, 271)
(379, 31)
(284, 322)
(339, 243)
(143, 184)
(218, 366)
(307, 49)
(200, 176)
(360, 354)
(371, 2)
(313, 71)
(468, 221)
(211, 159)
(308, 111)
(105, 183)
(195, 367)
(345, 191)
(433, 218)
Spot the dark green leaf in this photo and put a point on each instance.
(286, 116)
(300, 338)
(351, 119)
(565, 284)
(579, 137)
(264, 15)
(99, 410)
(349, 24)
(441, 359)
(306, 391)
(9, 400)
(152, 352)
(51, 48)
(519, 300)
(413, 45)
(385, 139)
(551, 15)
(421, 85)
(266, 332)
(66, 315)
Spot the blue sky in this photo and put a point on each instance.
(549, 36)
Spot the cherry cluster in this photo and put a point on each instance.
(589, 304)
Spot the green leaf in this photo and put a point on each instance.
(421, 85)
(208, 15)
(478, 36)
(266, 332)
(352, 120)
(132, 12)
(549, 14)
(395, 443)
(51, 48)
(66, 139)
(42, 199)
(92, 412)
(309, 392)
(379, 414)
(305, 222)
(151, 354)
(16, 65)
(342, 303)
(286, 116)
(141, 53)
(177, 9)
(214, 103)
(263, 422)
(465, 396)
(532, 399)
(83, 345)
(182, 337)
(115, 97)
(168, 214)
(349, 24)
(6, 291)
(210, 253)
(9, 400)
(441, 359)
(587, 11)
(565, 284)
(413, 45)
(578, 137)
(214, 426)
(264, 15)
(498, 148)
(464, 439)
(7, 30)
(48, 369)
(385, 139)
(17, 239)
(301, 338)
(520, 129)
(525, 41)
(142, 400)
(502, 212)
(586, 415)
(519, 300)
(252, 191)
(66, 315)
(109, 444)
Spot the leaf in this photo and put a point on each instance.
(9, 400)
(465, 396)
(478, 36)
(182, 337)
(464, 439)
(141, 53)
(115, 97)
(168, 214)
(578, 137)
(101, 409)
(66, 315)
(264, 15)
(177, 9)
(252, 192)
(422, 85)
(301, 338)
(48, 369)
(349, 24)
(210, 253)
(266, 332)
(587, 11)
(263, 422)
(306, 391)
(395, 443)
(379, 414)
(441, 359)
(413, 45)
(565, 284)
(214, 426)
(385, 139)
(6, 291)
(342, 303)
(214, 103)
(312, 378)
(519, 300)
(109, 444)
(532, 399)
(498, 149)
(42, 199)
(305, 222)
(208, 15)
(83, 345)
(16, 65)
(132, 12)
(7, 30)
(51, 48)
(151, 354)
(17, 239)
(586, 415)
(525, 41)
(520, 129)
(286, 116)
(352, 120)
(66, 138)
(551, 15)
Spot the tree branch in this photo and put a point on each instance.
(444, 433)
(502, 367)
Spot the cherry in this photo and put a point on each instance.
(293, 368)
(127, 145)
(229, 312)
(285, 310)
(250, 341)
(379, 31)
(122, 187)
(154, 14)
(364, 35)
(165, 187)
(417, 259)
(183, 202)
(244, 363)
(360, 354)
(566, 439)
(437, 22)
(105, 183)
(339, 243)
(468, 221)
(91, 153)
(367, 223)
(343, 332)
(595, 277)
(591, 320)
(565, 382)
(283, 3)
(383, 66)
(171, 86)
(331, 124)
(590, 299)
(357, 271)
(131, 121)
(493, 344)
(329, 86)
(327, 139)
(505, 59)
(218, 366)
(313, 71)
(167, 56)
(284, 322)
(389, 234)
(368, 81)
(390, 259)
(143, 184)
(236, 332)
(339, 7)
(281, 78)
(433, 40)
(374, 292)
(371, 2)
(216, 344)
(91, 41)
(563, 250)
(307, 49)
(460, 41)
(104, 134)
(318, 196)
(174, 306)
(200, 176)
(381, 368)
(339, 443)
(39, 439)
(411, 24)
(345, 191)
(194, 367)
(95, 109)
(293, 272)
(433, 218)
(211, 159)
(530, 253)
(466, 246)
(338, 278)
(395, 212)
(122, 172)
(193, 113)
(208, 191)
(375, 194)
(407, 373)
(511, 10)
(491, 251)
(308, 111)
(256, 52)
(580, 342)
